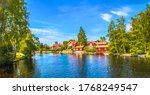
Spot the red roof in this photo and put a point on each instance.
(72, 43)
(101, 43)
(91, 43)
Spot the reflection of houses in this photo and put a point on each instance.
(56, 46)
(101, 47)
(91, 44)
(72, 44)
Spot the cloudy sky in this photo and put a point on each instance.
(59, 20)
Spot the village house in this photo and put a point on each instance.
(79, 49)
(101, 47)
(91, 44)
(72, 44)
(56, 46)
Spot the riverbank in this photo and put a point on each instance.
(70, 51)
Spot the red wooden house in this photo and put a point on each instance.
(56, 46)
(79, 48)
(101, 47)
(91, 44)
(72, 44)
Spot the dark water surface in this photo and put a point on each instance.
(78, 66)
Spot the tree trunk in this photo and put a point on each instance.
(116, 48)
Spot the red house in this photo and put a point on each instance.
(91, 44)
(101, 47)
(79, 48)
(72, 44)
(56, 46)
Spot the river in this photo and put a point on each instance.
(77, 66)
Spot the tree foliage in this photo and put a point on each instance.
(103, 38)
(82, 39)
(137, 40)
(15, 35)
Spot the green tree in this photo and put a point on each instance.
(103, 38)
(56, 42)
(65, 44)
(82, 40)
(140, 31)
(15, 35)
(113, 46)
(121, 30)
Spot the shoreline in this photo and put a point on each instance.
(91, 53)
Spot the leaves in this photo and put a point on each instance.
(136, 41)
(15, 35)
(82, 40)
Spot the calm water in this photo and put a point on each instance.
(78, 66)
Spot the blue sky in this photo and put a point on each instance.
(60, 20)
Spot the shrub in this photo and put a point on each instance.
(88, 49)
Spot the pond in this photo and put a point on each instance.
(77, 66)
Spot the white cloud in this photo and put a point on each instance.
(49, 36)
(128, 26)
(122, 11)
(44, 31)
(106, 17)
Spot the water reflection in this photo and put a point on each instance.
(22, 69)
(77, 66)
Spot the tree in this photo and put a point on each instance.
(102, 39)
(82, 40)
(15, 35)
(56, 42)
(65, 44)
(121, 30)
(113, 47)
(137, 40)
(140, 29)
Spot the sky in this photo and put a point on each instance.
(60, 20)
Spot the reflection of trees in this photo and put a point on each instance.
(82, 65)
(6, 70)
(23, 68)
(140, 67)
(119, 66)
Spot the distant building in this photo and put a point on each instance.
(101, 47)
(56, 46)
(91, 44)
(79, 48)
(72, 44)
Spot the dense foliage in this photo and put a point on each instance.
(82, 39)
(89, 49)
(15, 35)
(137, 40)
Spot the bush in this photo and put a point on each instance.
(87, 49)
(148, 54)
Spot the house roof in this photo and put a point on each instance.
(72, 42)
(102, 46)
(101, 43)
(93, 43)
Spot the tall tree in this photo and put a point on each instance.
(103, 38)
(113, 47)
(14, 28)
(121, 30)
(82, 40)
(141, 30)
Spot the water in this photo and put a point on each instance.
(77, 66)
